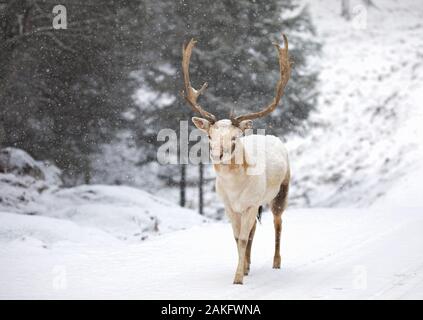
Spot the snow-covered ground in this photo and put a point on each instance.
(327, 253)
(88, 244)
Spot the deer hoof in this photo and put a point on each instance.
(276, 262)
(246, 271)
(238, 279)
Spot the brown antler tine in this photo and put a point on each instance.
(285, 73)
(233, 118)
(189, 93)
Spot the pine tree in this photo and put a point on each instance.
(63, 92)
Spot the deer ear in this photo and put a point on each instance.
(201, 123)
(246, 124)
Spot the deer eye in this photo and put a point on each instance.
(233, 146)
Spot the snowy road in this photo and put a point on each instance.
(327, 253)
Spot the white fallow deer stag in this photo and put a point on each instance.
(242, 188)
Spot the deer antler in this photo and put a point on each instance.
(285, 72)
(189, 93)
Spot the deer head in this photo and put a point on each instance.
(223, 134)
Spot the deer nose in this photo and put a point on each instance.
(216, 157)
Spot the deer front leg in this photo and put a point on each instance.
(248, 250)
(248, 219)
(235, 219)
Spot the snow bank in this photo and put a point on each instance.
(18, 162)
(23, 179)
(404, 193)
(125, 212)
(33, 207)
(36, 231)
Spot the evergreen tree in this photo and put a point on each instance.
(62, 92)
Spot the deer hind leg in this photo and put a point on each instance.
(278, 206)
(248, 250)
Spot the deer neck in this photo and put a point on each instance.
(233, 170)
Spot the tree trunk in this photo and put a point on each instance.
(87, 170)
(200, 189)
(345, 9)
(370, 3)
(182, 186)
(2, 133)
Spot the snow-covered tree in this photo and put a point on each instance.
(62, 92)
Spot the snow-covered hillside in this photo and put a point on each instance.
(367, 126)
(33, 208)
